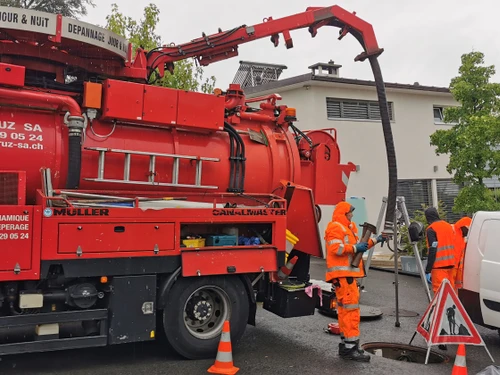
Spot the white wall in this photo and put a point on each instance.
(362, 142)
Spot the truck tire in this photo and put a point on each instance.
(196, 309)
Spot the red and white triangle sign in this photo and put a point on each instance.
(446, 322)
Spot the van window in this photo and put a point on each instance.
(489, 241)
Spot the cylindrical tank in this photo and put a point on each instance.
(31, 139)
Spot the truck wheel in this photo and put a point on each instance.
(196, 309)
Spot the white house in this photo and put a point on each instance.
(324, 99)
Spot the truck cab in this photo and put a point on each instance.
(480, 294)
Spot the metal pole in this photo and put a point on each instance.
(415, 249)
(370, 252)
(396, 282)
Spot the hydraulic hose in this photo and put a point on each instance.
(389, 145)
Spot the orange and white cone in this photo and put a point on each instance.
(224, 361)
(286, 270)
(460, 366)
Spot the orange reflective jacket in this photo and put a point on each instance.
(460, 240)
(445, 251)
(341, 236)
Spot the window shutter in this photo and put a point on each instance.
(355, 109)
(416, 193)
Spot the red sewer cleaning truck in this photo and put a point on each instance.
(130, 211)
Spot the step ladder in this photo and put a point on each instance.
(152, 168)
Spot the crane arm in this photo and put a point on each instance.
(224, 44)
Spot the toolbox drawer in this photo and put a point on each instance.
(115, 237)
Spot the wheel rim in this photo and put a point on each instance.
(205, 311)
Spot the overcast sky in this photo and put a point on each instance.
(423, 40)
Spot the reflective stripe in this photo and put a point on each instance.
(224, 356)
(331, 242)
(460, 361)
(343, 228)
(448, 247)
(343, 268)
(340, 250)
(445, 258)
(345, 179)
(351, 306)
(346, 239)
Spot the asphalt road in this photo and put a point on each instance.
(276, 346)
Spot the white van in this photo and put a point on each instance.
(480, 294)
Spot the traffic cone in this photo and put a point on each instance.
(224, 361)
(286, 270)
(460, 367)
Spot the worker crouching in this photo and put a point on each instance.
(341, 238)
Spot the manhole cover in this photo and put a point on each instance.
(366, 312)
(404, 353)
(404, 313)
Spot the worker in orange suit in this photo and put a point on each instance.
(461, 231)
(441, 244)
(341, 238)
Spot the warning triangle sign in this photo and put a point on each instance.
(445, 321)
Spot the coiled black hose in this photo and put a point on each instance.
(389, 144)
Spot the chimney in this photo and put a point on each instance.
(329, 69)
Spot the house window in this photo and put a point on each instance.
(438, 114)
(355, 109)
(416, 193)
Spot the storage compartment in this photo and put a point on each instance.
(160, 105)
(114, 237)
(290, 302)
(203, 111)
(136, 322)
(221, 240)
(122, 100)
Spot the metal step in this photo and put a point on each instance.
(152, 168)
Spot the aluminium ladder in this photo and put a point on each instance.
(152, 168)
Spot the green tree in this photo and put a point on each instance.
(472, 144)
(187, 75)
(68, 8)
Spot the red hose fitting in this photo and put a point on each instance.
(63, 102)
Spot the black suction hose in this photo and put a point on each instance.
(389, 144)
(75, 134)
(390, 226)
(74, 161)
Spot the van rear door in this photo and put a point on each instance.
(489, 246)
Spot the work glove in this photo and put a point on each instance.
(361, 247)
(428, 277)
(380, 239)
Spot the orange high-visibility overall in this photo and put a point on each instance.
(445, 254)
(341, 236)
(458, 270)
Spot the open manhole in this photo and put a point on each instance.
(404, 353)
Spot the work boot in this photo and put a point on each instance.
(342, 349)
(354, 353)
